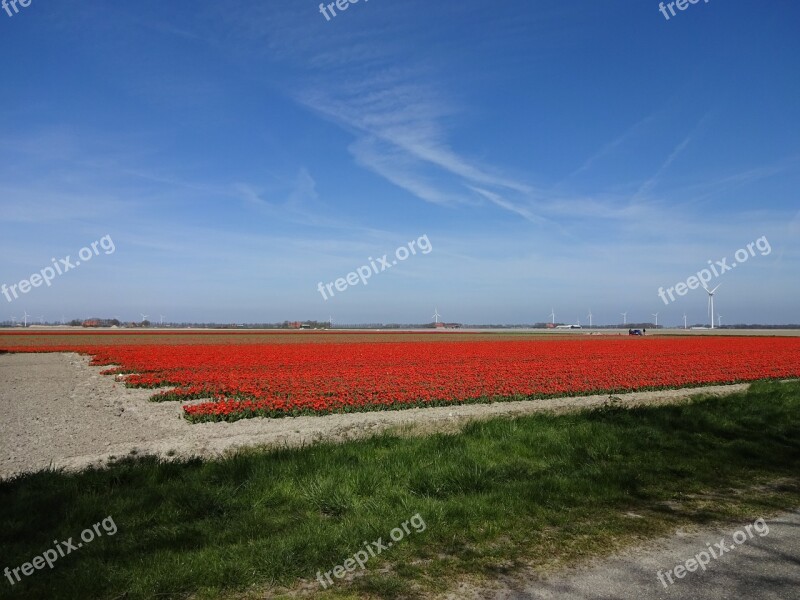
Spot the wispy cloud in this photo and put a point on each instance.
(400, 136)
(648, 185)
(297, 202)
(498, 200)
(401, 170)
(723, 184)
(634, 131)
(296, 195)
(402, 117)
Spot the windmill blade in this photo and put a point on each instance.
(714, 290)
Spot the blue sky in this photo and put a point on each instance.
(575, 155)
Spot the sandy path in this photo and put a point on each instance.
(56, 410)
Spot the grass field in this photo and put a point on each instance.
(541, 489)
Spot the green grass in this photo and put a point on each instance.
(544, 489)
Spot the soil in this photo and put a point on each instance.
(59, 412)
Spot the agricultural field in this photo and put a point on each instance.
(227, 377)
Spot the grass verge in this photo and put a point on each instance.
(539, 489)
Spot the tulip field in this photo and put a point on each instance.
(267, 375)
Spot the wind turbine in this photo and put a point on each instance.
(162, 320)
(144, 317)
(624, 318)
(590, 317)
(436, 315)
(719, 320)
(41, 320)
(553, 315)
(25, 317)
(13, 320)
(685, 324)
(711, 302)
(656, 316)
(330, 321)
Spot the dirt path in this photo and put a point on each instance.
(763, 566)
(58, 411)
